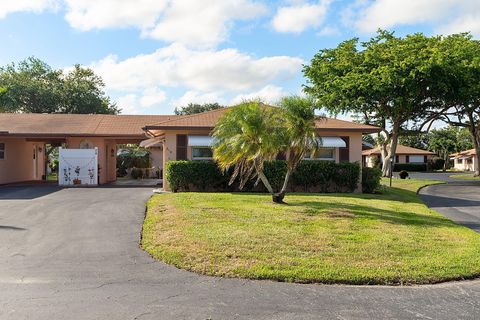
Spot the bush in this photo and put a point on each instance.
(436, 163)
(324, 176)
(415, 167)
(403, 174)
(136, 173)
(371, 178)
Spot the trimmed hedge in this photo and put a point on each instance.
(410, 167)
(371, 178)
(310, 176)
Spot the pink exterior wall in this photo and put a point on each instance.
(19, 164)
(464, 166)
(401, 159)
(170, 147)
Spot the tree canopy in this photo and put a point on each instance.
(193, 108)
(34, 86)
(388, 81)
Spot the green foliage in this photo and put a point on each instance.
(132, 157)
(325, 176)
(416, 167)
(435, 163)
(403, 174)
(371, 178)
(193, 108)
(34, 86)
(419, 140)
(388, 81)
(136, 173)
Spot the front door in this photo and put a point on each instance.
(35, 162)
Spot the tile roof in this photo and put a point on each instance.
(208, 120)
(77, 124)
(470, 152)
(401, 149)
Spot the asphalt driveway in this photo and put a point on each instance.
(459, 201)
(74, 254)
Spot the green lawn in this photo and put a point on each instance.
(468, 176)
(391, 238)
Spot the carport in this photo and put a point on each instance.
(27, 139)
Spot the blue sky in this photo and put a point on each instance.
(157, 54)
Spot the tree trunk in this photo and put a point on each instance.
(278, 197)
(476, 144)
(265, 182)
(389, 151)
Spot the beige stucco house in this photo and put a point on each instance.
(404, 154)
(23, 139)
(465, 160)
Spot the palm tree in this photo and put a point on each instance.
(299, 134)
(245, 137)
(252, 133)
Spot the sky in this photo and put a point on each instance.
(155, 55)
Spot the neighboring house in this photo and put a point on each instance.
(23, 139)
(188, 138)
(465, 160)
(404, 154)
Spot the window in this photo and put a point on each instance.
(322, 154)
(459, 161)
(2, 150)
(469, 161)
(202, 153)
(417, 159)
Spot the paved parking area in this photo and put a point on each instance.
(74, 254)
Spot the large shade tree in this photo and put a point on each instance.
(388, 81)
(252, 133)
(448, 140)
(459, 56)
(34, 86)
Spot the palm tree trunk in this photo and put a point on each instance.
(278, 197)
(265, 182)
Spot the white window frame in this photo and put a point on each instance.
(309, 157)
(201, 158)
(4, 151)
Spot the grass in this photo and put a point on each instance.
(468, 176)
(390, 238)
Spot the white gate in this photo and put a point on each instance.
(77, 167)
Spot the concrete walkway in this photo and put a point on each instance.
(74, 254)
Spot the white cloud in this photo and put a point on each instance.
(198, 97)
(200, 70)
(11, 6)
(270, 94)
(98, 14)
(328, 31)
(137, 103)
(447, 16)
(300, 16)
(202, 23)
(191, 22)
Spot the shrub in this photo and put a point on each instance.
(415, 167)
(371, 178)
(403, 174)
(436, 163)
(136, 173)
(324, 176)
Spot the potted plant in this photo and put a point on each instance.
(77, 181)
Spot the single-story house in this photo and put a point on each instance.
(188, 138)
(404, 154)
(465, 160)
(23, 139)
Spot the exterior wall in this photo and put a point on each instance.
(402, 158)
(19, 164)
(156, 156)
(464, 166)
(170, 145)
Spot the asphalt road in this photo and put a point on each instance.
(459, 201)
(74, 254)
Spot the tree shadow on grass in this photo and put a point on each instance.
(401, 217)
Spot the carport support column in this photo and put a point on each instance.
(169, 154)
